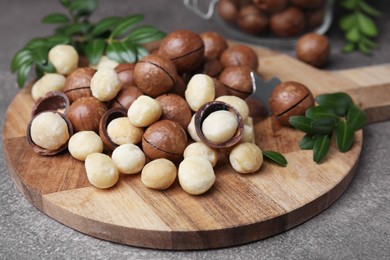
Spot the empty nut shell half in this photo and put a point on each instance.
(53, 100)
(213, 106)
(110, 115)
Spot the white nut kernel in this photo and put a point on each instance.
(83, 143)
(64, 58)
(249, 134)
(105, 84)
(49, 130)
(129, 158)
(159, 174)
(144, 111)
(105, 62)
(48, 82)
(200, 90)
(192, 131)
(220, 126)
(202, 150)
(102, 172)
(196, 175)
(239, 104)
(121, 131)
(246, 158)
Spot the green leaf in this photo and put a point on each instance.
(145, 33)
(48, 67)
(369, 43)
(349, 4)
(104, 25)
(36, 43)
(141, 52)
(367, 25)
(324, 125)
(301, 123)
(347, 22)
(94, 50)
(349, 47)
(20, 58)
(321, 148)
(369, 9)
(339, 101)
(126, 25)
(344, 136)
(307, 142)
(40, 55)
(353, 35)
(22, 73)
(55, 18)
(356, 118)
(83, 7)
(120, 52)
(275, 157)
(65, 3)
(58, 39)
(76, 28)
(317, 112)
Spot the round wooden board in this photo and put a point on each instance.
(238, 209)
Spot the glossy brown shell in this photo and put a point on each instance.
(125, 73)
(270, 6)
(175, 108)
(313, 49)
(251, 20)
(240, 55)
(214, 44)
(237, 80)
(227, 10)
(126, 96)
(289, 22)
(77, 84)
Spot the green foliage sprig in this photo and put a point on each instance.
(359, 28)
(336, 115)
(120, 38)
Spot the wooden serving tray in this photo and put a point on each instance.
(238, 208)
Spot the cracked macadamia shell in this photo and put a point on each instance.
(240, 55)
(77, 84)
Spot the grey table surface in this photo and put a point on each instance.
(357, 226)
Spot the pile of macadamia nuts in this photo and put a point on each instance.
(281, 18)
(169, 116)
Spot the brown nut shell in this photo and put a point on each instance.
(40, 150)
(210, 107)
(271, 6)
(211, 68)
(126, 97)
(313, 49)
(289, 22)
(53, 100)
(308, 4)
(184, 48)
(237, 80)
(108, 116)
(290, 98)
(77, 84)
(175, 108)
(164, 139)
(180, 86)
(125, 73)
(155, 75)
(227, 10)
(251, 20)
(214, 44)
(85, 114)
(240, 55)
(220, 88)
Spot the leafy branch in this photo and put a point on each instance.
(120, 38)
(358, 26)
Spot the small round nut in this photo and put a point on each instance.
(77, 84)
(109, 116)
(85, 114)
(105, 62)
(192, 130)
(239, 104)
(220, 126)
(121, 131)
(196, 175)
(202, 150)
(237, 80)
(49, 130)
(308, 4)
(214, 45)
(313, 49)
(251, 20)
(246, 158)
(159, 174)
(64, 58)
(289, 22)
(105, 84)
(126, 97)
(48, 82)
(129, 158)
(227, 10)
(155, 75)
(126, 73)
(200, 90)
(101, 170)
(249, 134)
(175, 108)
(271, 6)
(144, 111)
(240, 55)
(84, 143)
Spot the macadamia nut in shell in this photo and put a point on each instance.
(159, 174)
(129, 158)
(84, 143)
(102, 172)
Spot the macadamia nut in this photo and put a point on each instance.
(129, 158)
(196, 175)
(202, 150)
(159, 174)
(105, 62)
(102, 172)
(64, 58)
(49, 130)
(238, 103)
(121, 131)
(84, 143)
(246, 158)
(48, 82)
(220, 126)
(200, 90)
(192, 130)
(105, 84)
(249, 134)
(144, 111)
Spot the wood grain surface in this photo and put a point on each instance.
(238, 209)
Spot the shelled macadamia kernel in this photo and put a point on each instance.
(159, 174)
(144, 111)
(246, 158)
(239, 104)
(200, 90)
(64, 58)
(129, 158)
(192, 130)
(101, 170)
(105, 84)
(84, 143)
(121, 131)
(202, 150)
(220, 126)
(48, 82)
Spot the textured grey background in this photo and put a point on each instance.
(357, 226)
